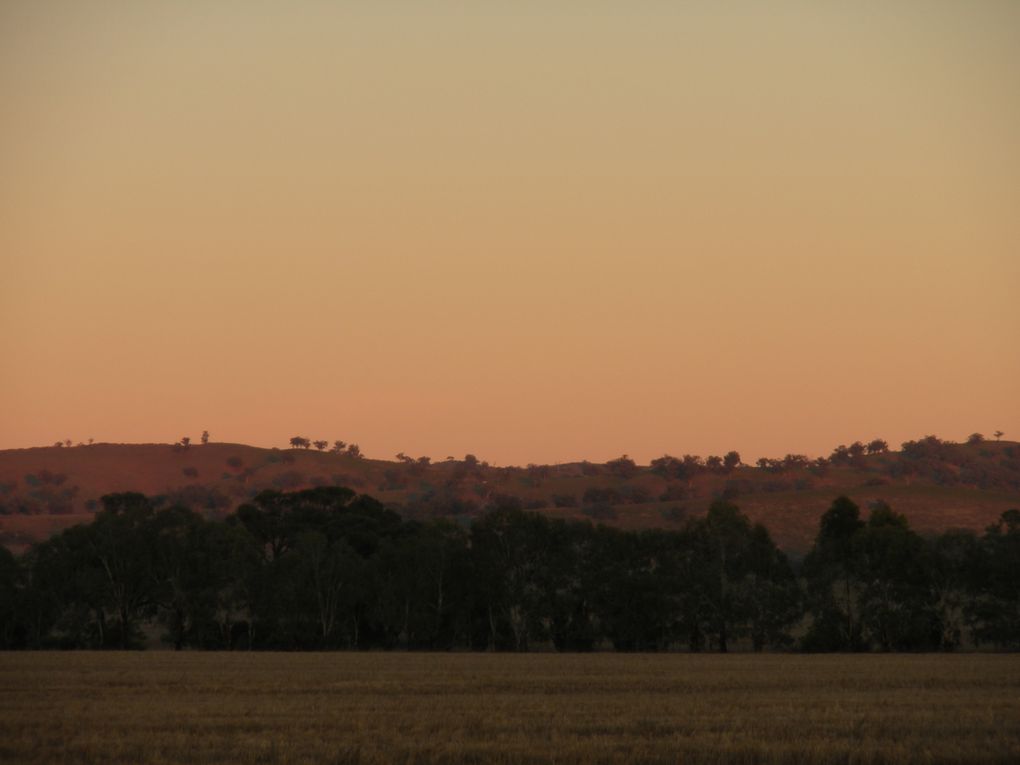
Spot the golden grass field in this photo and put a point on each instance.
(162, 707)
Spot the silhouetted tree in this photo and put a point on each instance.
(320, 445)
(622, 467)
(897, 611)
(995, 605)
(877, 446)
(833, 571)
(299, 442)
(731, 461)
(205, 437)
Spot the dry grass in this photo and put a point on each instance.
(467, 708)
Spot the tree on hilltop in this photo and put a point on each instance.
(321, 445)
(299, 442)
(877, 446)
(731, 461)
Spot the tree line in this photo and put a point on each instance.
(327, 568)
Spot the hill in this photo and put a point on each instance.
(936, 484)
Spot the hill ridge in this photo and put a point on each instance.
(936, 484)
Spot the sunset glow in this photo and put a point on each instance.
(532, 234)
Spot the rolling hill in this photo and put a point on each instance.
(937, 485)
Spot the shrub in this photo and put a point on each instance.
(505, 502)
(636, 495)
(198, 497)
(291, 479)
(673, 492)
(600, 512)
(675, 514)
(595, 495)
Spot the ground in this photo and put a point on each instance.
(163, 707)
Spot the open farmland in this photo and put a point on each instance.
(471, 708)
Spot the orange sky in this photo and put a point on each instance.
(532, 233)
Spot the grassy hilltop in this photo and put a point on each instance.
(937, 485)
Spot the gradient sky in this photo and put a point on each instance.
(532, 231)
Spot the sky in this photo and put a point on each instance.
(531, 231)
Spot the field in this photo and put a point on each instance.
(538, 708)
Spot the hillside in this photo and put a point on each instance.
(937, 485)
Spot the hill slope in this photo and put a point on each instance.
(937, 485)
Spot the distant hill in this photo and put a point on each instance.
(936, 484)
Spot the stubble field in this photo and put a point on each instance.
(202, 708)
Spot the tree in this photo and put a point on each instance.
(186, 442)
(897, 610)
(299, 442)
(189, 573)
(205, 437)
(321, 445)
(12, 583)
(995, 604)
(511, 555)
(877, 446)
(622, 467)
(856, 452)
(954, 558)
(998, 434)
(731, 461)
(338, 447)
(328, 568)
(119, 541)
(723, 539)
(772, 593)
(975, 438)
(832, 569)
(354, 451)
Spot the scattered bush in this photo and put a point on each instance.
(600, 512)
(290, 479)
(675, 514)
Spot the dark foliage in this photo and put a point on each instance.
(328, 568)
